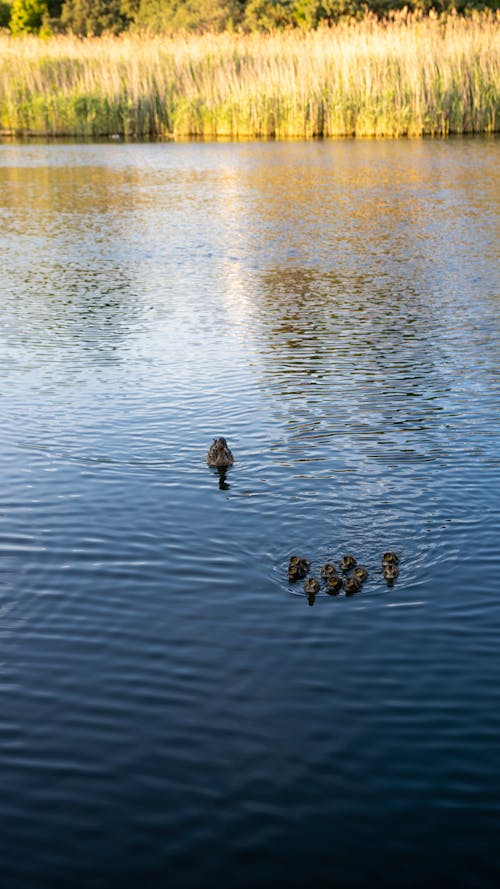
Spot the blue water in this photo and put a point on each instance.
(173, 711)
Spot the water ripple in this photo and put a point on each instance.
(171, 706)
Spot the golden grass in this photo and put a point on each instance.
(408, 77)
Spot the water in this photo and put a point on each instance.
(173, 712)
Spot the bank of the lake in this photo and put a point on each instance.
(408, 77)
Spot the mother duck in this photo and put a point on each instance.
(219, 453)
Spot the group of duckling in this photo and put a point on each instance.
(354, 575)
(351, 579)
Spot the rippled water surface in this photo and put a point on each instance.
(174, 713)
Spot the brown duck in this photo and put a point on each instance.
(219, 453)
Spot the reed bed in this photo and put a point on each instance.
(410, 76)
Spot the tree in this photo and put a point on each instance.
(5, 10)
(27, 16)
(93, 17)
(168, 16)
(267, 15)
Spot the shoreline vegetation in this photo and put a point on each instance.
(409, 75)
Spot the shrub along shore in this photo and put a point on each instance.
(408, 76)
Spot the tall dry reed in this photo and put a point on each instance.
(410, 76)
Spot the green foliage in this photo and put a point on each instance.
(54, 7)
(28, 16)
(5, 10)
(93, 17)
(170, 16)
(310, 13)
(267, 15)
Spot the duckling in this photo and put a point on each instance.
(219, 453)
(352, 585)
(293, 573)
(334, 584)
(297, 568)
(347, 562)
(391, 572)
(360, 573)
(312, 586)
(390, 559)
(328, 570)
(299, 564)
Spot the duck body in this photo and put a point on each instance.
(347, 562)
(219, 453)
(390, 562)
(334, 584)
(391, 572)
(328, 570)
(312, 586)
(360, 573)
(352, 585)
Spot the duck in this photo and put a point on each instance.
(390, 559)
(300, 563)
(312, 586)
(297, 567)
(360, 573)
(334, 584)
(391, 572)
(347, 562)
(352, 585)
(219, 453)
(328, 570)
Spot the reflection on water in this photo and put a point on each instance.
(173, 711)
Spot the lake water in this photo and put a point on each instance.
(173, 712)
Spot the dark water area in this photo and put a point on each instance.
(173, 712)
